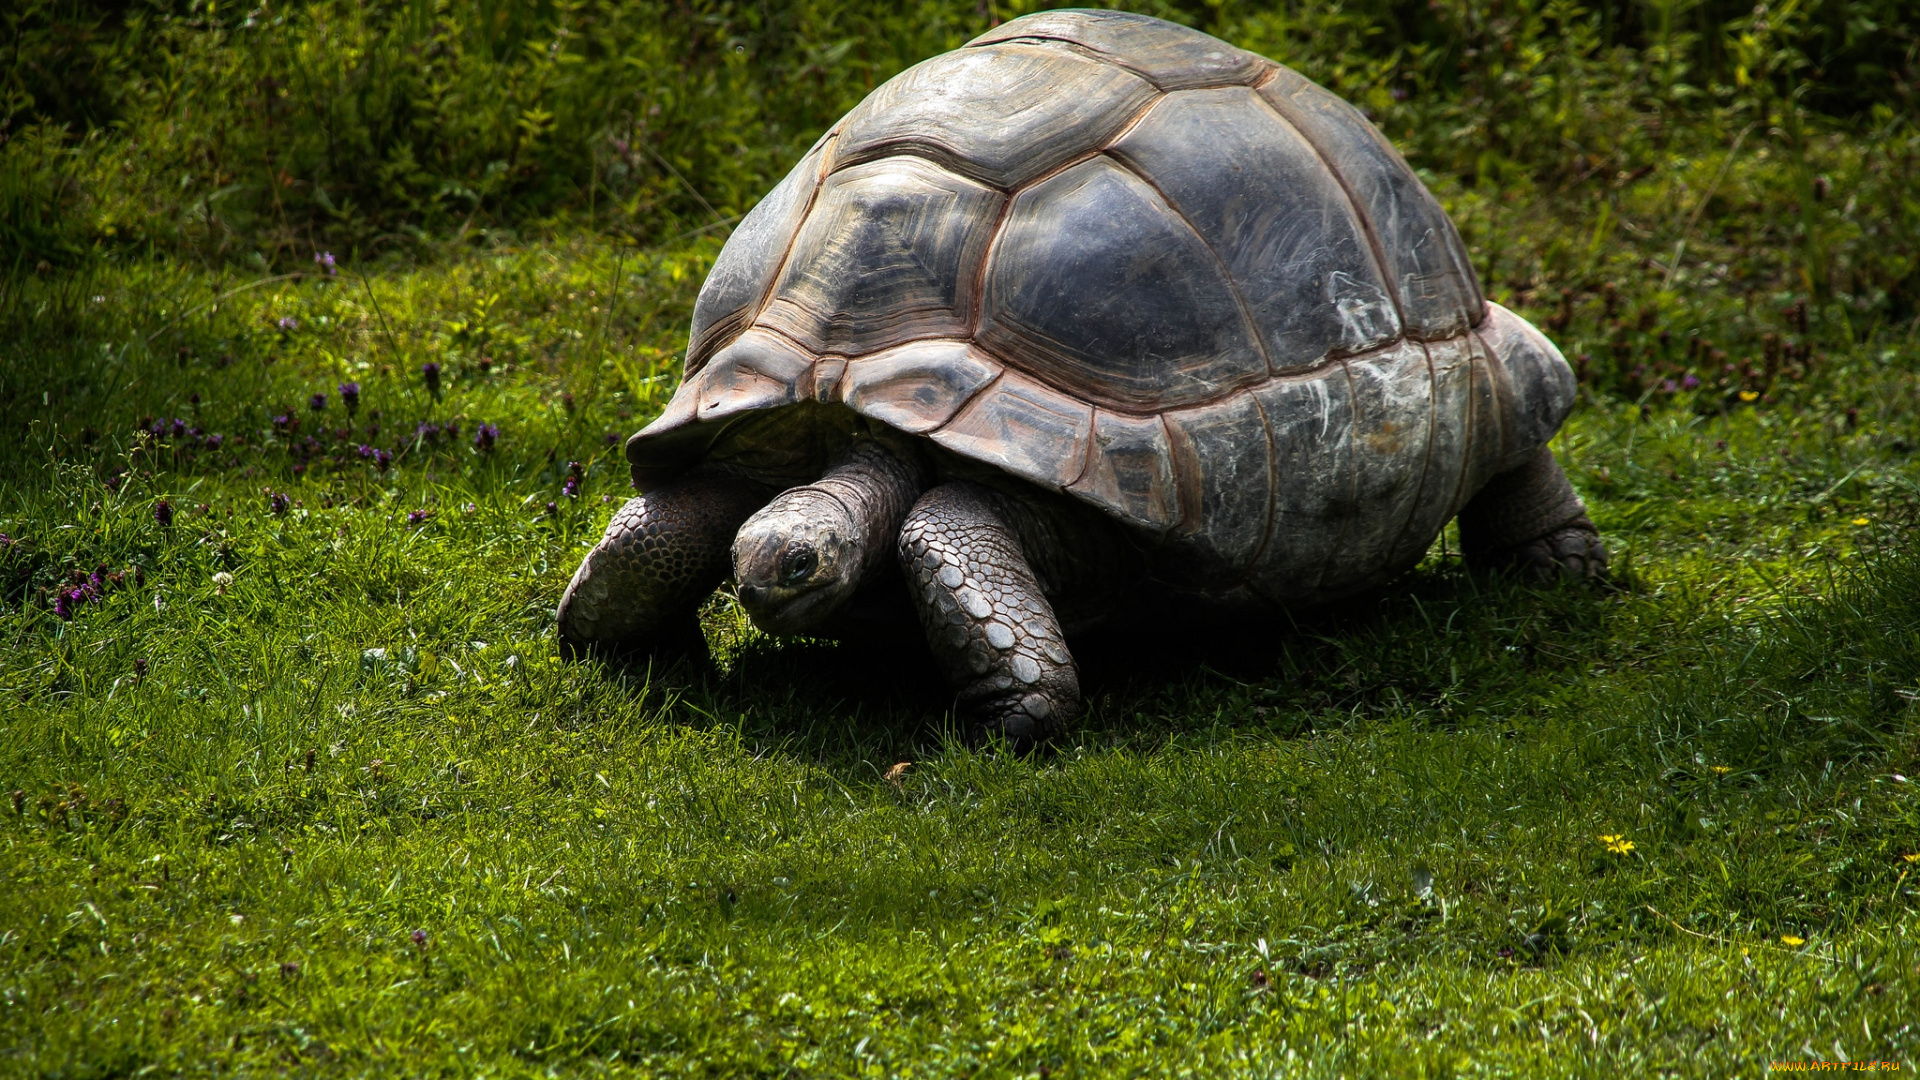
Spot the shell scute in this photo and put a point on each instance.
(1276, 217)
(1003, 114)
(890, 252)
(1392, 409)
(1311, 418)
(916, 387)
(1537, 388)
(1131, 473)
(1221, 454)
(1449, 432)
(1433, 280)
(1171, 56)
(1098, 286)
(757, 371)
(1025, 427)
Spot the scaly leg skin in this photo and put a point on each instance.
(989, 625)
(1531, 521)
(640, 589)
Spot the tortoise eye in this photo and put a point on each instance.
(797, 563)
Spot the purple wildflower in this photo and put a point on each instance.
(179, 427)
(364, 450)
(612, 439)
(163, 513)
(287, 324)
(427, 432)
(430, 371)
(1690, 381)
(318, 403)
(350, 396)
(63, 605)
(283, 422)
(420, 939)
(574, 475)
(418, 516)
(553, 509)
(383, 459)
(1669, 386)
(484, 437)
(325, 261)
(277, 503)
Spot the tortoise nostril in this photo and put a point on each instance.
(752, 595)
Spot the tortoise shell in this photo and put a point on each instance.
(1121, 259)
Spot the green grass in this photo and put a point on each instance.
(1362, 844)
(292, 732)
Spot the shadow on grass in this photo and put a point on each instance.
(1437, 642)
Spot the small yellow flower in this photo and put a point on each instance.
(1616, 843)
(1859, 521)
(1749, 395)
(1721, 770)
(1789, 939)
(1914, 858)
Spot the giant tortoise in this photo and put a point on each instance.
(1093, 314)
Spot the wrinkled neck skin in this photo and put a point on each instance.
(800, 558)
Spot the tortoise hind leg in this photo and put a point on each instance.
(1531, 521)
(987, 621)
(639, 590)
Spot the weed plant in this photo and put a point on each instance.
(292, 779)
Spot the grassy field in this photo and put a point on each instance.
(293, 780)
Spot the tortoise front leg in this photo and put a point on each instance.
(989, 625)
(1529, 519)
(640, 588)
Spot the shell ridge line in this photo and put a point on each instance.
(1273, 493)
(1494, 360)
(1353, 480)
(1139, 117)
(1006, 213)
(1173, 469)
(981, 277)
(1093, 447)
(1466, 440)
(750, 316)
(1226, 272)
(970, 398)
(939, 154)
(1366, 223)
(1426, 459)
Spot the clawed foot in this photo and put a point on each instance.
(1573, 551)
(1022, 714)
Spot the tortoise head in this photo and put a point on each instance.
(797, 560)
